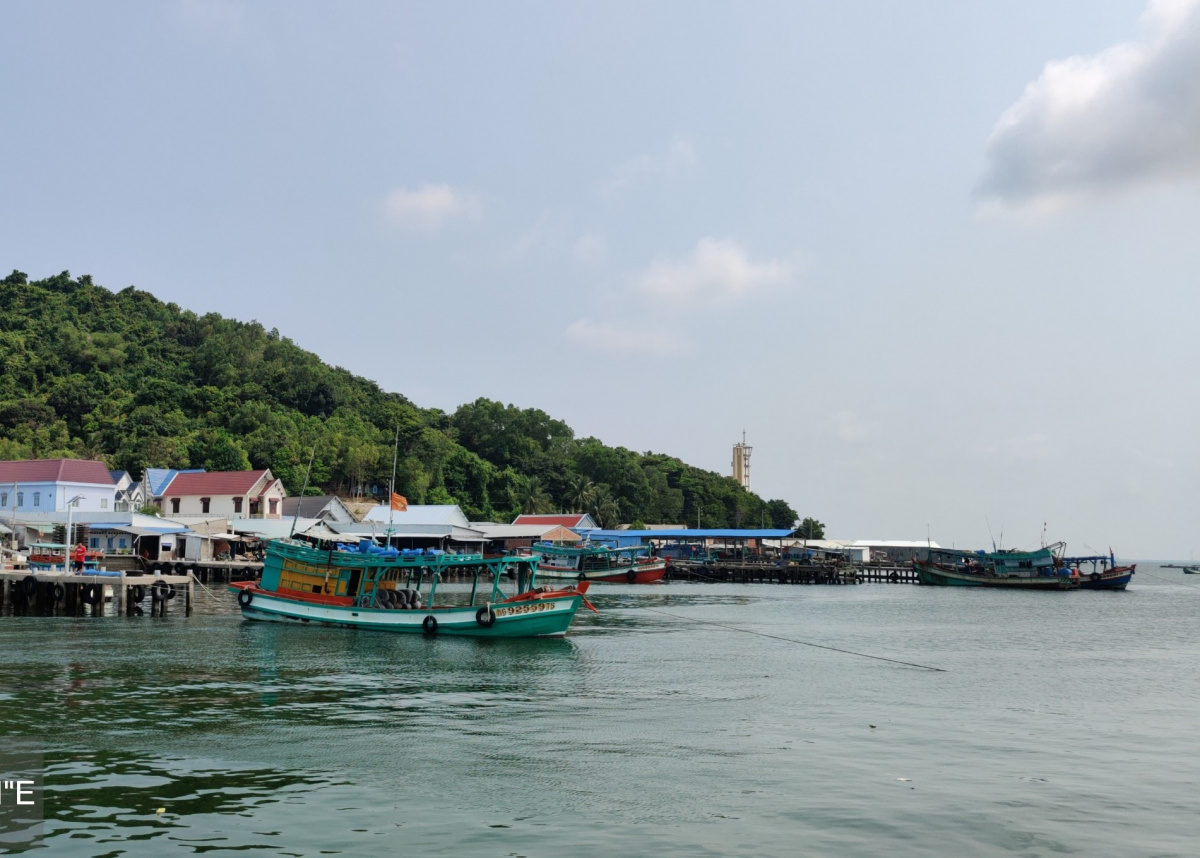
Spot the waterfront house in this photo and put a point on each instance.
(130, 494)
(223, 494)
(46, 485)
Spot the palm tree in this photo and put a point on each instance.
(535, 499)
(604, 508)
(579, 492)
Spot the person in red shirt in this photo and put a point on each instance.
(80, 556)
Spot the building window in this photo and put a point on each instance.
(273, 505)
(237, 505)
(175, 505)
(20, 498)
(95, 542)
(204, 504)
(3, 498)
(37, 498)
(121, 542)
(103, 503)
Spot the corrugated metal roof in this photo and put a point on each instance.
(56, 471)
(688, 534)
(419, 514)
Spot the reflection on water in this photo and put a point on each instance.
(1064, 723)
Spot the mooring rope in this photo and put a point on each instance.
(796, 641)
(1187, 584)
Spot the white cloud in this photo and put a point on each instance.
(429, 207)
(635, 339)
(716, 272)
(590, 248)
(218, 17)
(679, 160)
(1122, 119)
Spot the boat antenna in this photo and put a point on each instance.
(296, 517)
(993, 538)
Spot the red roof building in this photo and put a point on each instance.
(227, 494)
(571, 520)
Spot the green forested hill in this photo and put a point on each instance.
(138, 383)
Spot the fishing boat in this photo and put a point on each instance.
(1027, 570)
(1104, 573)
(364, 586)
(592, 562)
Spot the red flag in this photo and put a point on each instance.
(399, 502)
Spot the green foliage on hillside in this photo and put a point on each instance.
(138, 383)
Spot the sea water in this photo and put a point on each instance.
(683, 719)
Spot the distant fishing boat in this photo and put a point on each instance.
(366, 587)
(1026, 570)
(590, 562)
(1104, 574)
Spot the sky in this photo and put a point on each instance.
(938, 260)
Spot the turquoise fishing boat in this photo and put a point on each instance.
(366, 587)
(1026, 570)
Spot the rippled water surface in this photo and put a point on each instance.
(1062, 723)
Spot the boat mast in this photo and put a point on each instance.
(296, 517)
(392, 485)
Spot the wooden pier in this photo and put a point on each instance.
(751, 572)
(49, 593)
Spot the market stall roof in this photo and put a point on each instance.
(147, 531)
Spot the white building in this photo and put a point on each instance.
(45, 485)
(223, 494)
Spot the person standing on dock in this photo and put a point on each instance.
(80, 556)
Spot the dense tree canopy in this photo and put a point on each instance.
(135, 382)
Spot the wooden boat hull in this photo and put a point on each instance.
(937, 575)
(641, 573)
(540, 617)
(1112, 579)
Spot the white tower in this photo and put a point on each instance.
(741, 462)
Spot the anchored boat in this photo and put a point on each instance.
(366, 587)
(1104, 573)
(591, 562)
(1043, 569)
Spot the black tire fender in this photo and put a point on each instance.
(137, 593)
(158, 591)
(630, 576)
(429, 624)
(245, 598)
(60, 592)
(92, 594)
(29, 585)
(485, 616)
(581, 577)
(1095, 576)
(894, 577)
